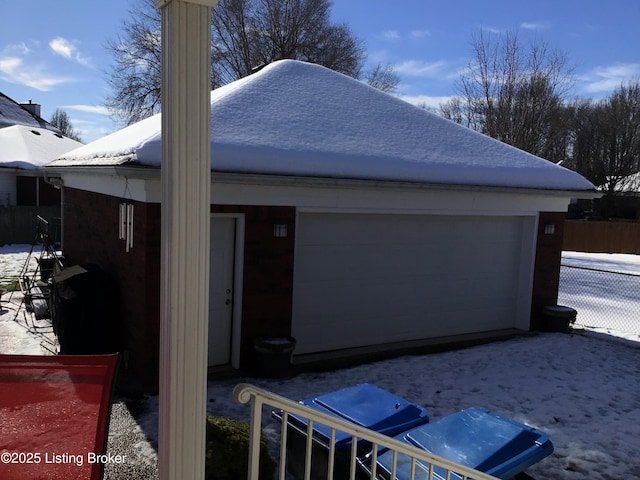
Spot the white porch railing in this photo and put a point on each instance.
(244, 393)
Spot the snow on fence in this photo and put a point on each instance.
(604, 299)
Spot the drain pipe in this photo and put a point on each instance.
(58, 183)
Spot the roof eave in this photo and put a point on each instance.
(284, 180)
(151, 173)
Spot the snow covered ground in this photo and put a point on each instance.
(581, 389)
(584, 287)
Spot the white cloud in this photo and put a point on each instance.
(420, 33)
(62, 47)
(490, 29)
(535, 25)
(425, 101)
(606, 79)
(419, 68)
(90, 130)
(392, 35)
(67, 49)
(17, 49)
(13, 70)
(97, 109)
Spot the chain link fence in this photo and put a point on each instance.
(604, 299)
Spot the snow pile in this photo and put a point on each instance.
(13, 259)
(579, 389)
(295, 118)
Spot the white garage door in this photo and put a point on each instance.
(372, 279)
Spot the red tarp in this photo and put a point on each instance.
(54, 415)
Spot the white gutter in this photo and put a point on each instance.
(239, 178)
(184, 309)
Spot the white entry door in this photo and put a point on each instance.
(221, 290)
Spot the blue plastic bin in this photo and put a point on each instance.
(475, 438)
(365, 405)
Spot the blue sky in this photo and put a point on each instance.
(53, 52)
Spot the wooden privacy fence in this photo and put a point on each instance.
(601, 237)
(19, 224)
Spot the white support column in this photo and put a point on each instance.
(186, 177)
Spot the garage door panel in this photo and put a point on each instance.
(370, 279)
(354, 259)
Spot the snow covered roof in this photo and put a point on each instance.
(11, 113)
(300, 119)
(30, 148)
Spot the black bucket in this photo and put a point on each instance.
(273, 355)
(558, 318)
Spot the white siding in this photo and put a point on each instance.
(7, 188)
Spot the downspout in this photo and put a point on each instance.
(58, 183)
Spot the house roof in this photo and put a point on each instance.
(11, 113)
(299, 119)
(30, 148)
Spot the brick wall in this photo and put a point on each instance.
(546, 278)
(91, 236)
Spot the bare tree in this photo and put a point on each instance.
(250, 33)
(623, 135)
(515, 95)
(61, 121)
(246, 34)
(135, 75)
(606, 143)
(383, 77)
(606, 147)
(588, 120)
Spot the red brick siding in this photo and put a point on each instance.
(91, 236)
(546, 278)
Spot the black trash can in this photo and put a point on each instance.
(84, 314)
(273, 355)
(558, 318)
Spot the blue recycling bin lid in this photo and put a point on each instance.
(474, 438)
(365, 405)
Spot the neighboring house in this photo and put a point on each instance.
(27, 142)
(342, 216)
(28, 114)
(23, 152)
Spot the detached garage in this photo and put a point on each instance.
(341, 215)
